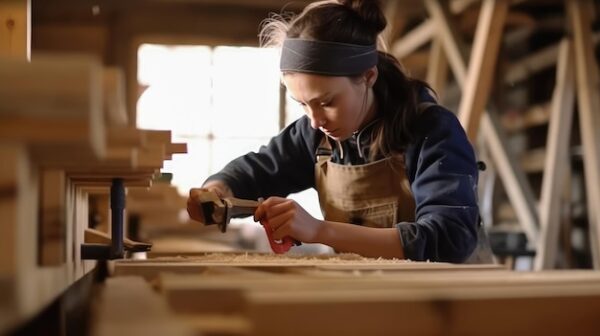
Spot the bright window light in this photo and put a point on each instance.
(223, 102)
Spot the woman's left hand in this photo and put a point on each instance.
(288, 218)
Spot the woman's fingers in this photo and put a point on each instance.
(279, 208)
(284, 230)
(281, 219)
(264, 207)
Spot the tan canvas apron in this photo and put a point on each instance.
(375, 194)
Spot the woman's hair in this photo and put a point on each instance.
(359, 22)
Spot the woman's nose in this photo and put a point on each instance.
(316, 120)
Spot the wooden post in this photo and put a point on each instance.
(15, 28)
(557, 158)
(482, 64)
(588, 98)
(455, 49)
(437, 72)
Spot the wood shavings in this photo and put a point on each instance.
(245, 258)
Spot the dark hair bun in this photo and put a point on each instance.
(370, 11)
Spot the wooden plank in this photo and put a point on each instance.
(9, 186)
(396, 21)
(151, 156)
(125, 137)
(15, 29)
(52, 100)
(557, 158)
(437, 71)
(588, 99)
(33, 287)
(75, 158)
(464, 311)
(177, 148)
(535, 62)
(482, 64)
(413, 40)
(114, 96)
(97, 182)
(456, 50)
(250, 280)
(344, 262)
(52, 219)
(515, 182)
(129, 306)
(444, 297)
(157, 137)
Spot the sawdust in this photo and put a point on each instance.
(244, 258)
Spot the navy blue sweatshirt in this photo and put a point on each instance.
(440, 166)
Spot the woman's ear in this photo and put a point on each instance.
(371, 76)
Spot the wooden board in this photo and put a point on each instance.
(151, 268)
(427, 302)
(482, 64)
(588, 99)
(33, 285)
(15, 30)
(557, 158)
(53, 100)
(129, 306)
(113, 82)
(52, 219)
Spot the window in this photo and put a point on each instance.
(223, 102)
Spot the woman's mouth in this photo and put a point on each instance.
(328, 132)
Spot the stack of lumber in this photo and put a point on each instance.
(265, 294)
(64, 133)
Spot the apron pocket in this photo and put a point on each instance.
(379, 216)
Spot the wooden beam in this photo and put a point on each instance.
(413, 40)
(129, 305)
(515, 182)
(114, 96)
(52, 224)
(15, 29)
(588, 99)
(482, 65)
(557, 158)
(425, 32)
(395, 22)
(53, 100)
(437, 71)
(535, 62)
(455, 48)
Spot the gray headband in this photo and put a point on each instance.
(326, 58)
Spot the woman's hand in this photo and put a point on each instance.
(288, 218)
(216, 190)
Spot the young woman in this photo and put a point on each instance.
(395, 172)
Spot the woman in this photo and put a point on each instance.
(395, 173)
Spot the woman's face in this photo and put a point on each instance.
(334, 104)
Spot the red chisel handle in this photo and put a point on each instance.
(277, 247)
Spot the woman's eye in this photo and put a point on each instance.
(326, 104)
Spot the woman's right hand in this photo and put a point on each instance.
(215, 190)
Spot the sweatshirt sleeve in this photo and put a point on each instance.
(443, 174)
(285, 165)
